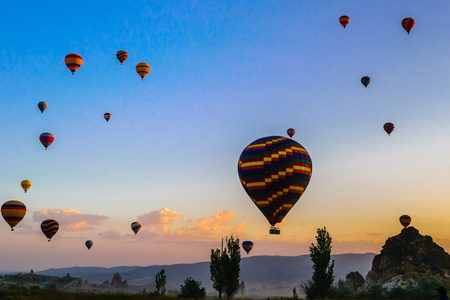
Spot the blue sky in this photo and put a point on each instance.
(223, 75)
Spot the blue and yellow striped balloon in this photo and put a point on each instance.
(13, 212)
(49, 228)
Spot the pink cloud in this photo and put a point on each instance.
(369, 232)
(110, 234)
(161, 219)
(70, 219)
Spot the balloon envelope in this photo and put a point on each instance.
(49, 228)
(291, 132)
(248, 246)
(42, 106)
(344, 20)
(274, 172)
(89, 244)
(25, 184)
(107, 116)
(142, 69)
(388, 127)
(73, 61)
(136, 226)
(122, 56)
(365, 81)
(46, 139)
(405, 220)
(408, 24)
(13, 212)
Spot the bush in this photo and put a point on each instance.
(192, 289)
(340, 293)
(426, 288)
(400, 293)
(375, 292)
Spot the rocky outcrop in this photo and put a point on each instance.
(410, 253)
(354, 280)
(117, 281)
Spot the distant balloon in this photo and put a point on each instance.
(344, 20)
(291, 132)
(46, 139)
(136, 226)
(274, 172)
(13, 212)
(142, 69)
(25, 184)
(365, 81)
(42, 106)
(49, 228)
(388, 127)
(73, 61)
(107, 116)
(408, 24)
(122, 56)
(89, 244)
(405, 220)
(248, 246)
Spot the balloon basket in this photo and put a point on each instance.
(274, 230)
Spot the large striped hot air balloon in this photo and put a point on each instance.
(107, 116)
(274, 172)
(136, 226)
(46, 139)
(405, 220)
(25, 184)
(291, 132)
(122, 56)
(365, 81)
(388, 127)
(142, 69)
(408, 24)
(73, 61)
(42, 106)
(49, 228)
(89, 244)
(344, 20)
(13, 212)
(248, 246)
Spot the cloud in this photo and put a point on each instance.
(162, 219)
(390, 221)
(110, 234)
(369, 232)
(70, 219)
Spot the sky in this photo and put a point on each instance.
(223, 74)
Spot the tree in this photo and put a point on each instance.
(160, 281)
(225, 267)
(323, 275)
(192, 289)
(242, 288)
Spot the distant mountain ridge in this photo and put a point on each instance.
(260, 273)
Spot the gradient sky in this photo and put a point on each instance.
(223, 74)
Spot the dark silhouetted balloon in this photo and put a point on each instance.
(89, 244)
(365, 81)
(291, 132)
(107, 116)
(408, 24)
(73, 61)
(344, 20)
(42, 106)
(13, 212)
(122, 56)
(405, 220)
(136, 226)
(248, 246)
(49, 228)
(388, 127)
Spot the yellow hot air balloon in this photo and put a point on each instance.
(26, 184)
(142, 69)
(73, 61)
(13, 212)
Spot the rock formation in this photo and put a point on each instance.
(117, 280)
(354, 280)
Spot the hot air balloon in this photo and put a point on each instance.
(365, 81)
(344, 20)
(13, 212)
(25, 184)
(49, 228)
(274, 172)
(122, 56)
(405, 220)
(46, 139)
(291, 132)
(408, 24)
(89, 244)
(388, 127)
(136, 226)
(42, 106)
(248, 246)
(142, 69)
(107, 116)
(73, 61)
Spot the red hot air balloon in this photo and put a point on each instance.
(107, 116)
(46, 139)
(388, 127)
(291, 132)
(344, 20)
(408, 24)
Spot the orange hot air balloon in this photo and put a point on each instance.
(142, 69)
(388, 127)
(73, 61)
(13, 212)
(291, 132)
(405, 220)
(408, 24)
(122, 56)
(344, 20)
(107, 116)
